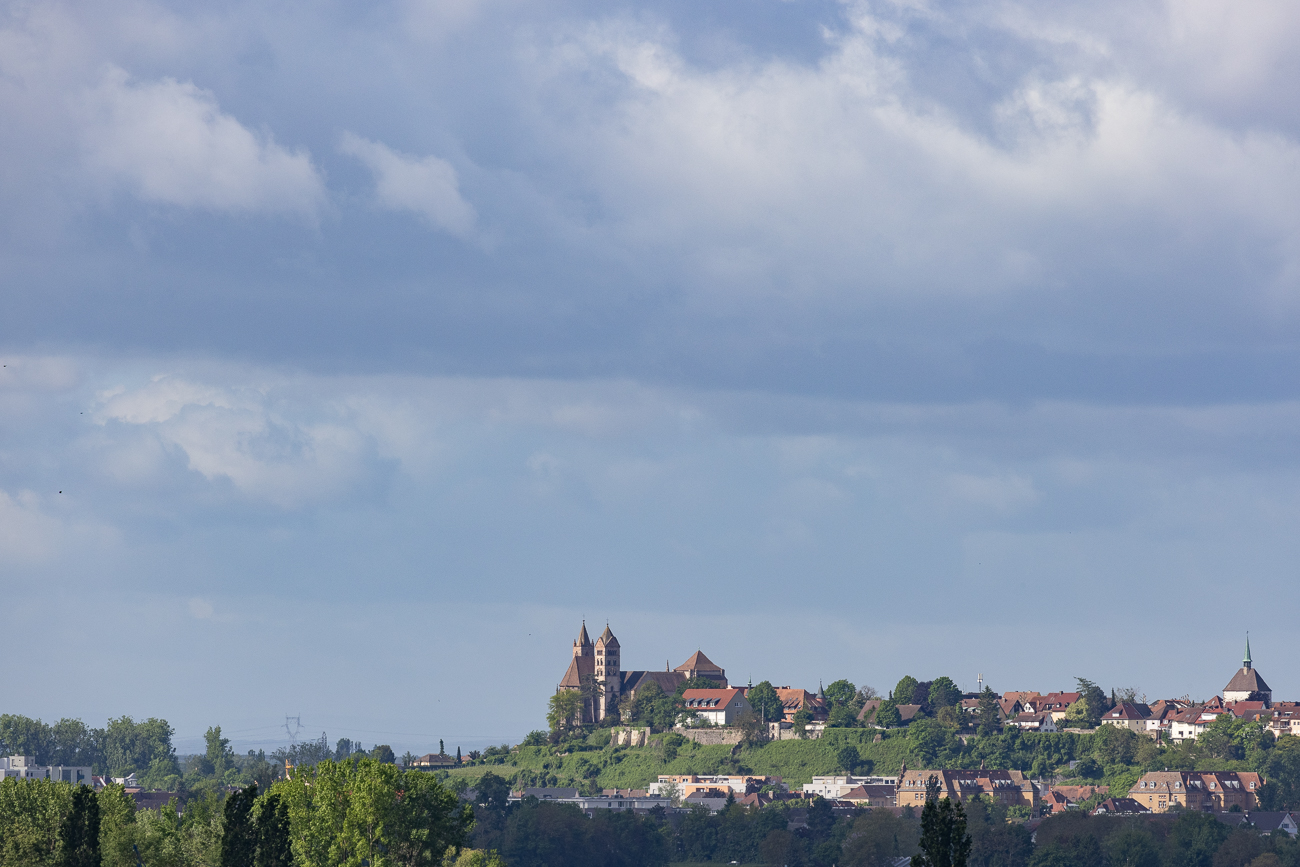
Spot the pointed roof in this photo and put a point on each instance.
(579, 667)
(583, 640)
(1246, 662)
(607, 638)
(1247, 680)
(697, 662)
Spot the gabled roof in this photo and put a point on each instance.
(1127, 710)
(697, 662)
(668, 680)
(711, 698)
(579, 667)
(607, 638)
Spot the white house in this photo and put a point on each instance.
(25, 768)
(717, 706)
(834, 788)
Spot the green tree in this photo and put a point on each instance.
(887, 715)
(905, 690)
(842, 716)
(565, 708)
(944, 841)
(383, 753)
(944, 693)
(849, 758)
(130, 746)
(990, 721)
(841, 692)
(1093, 701)
(31, 813)
(753, 731)
(766, 703)
(274, 843)
(238, 835)
(801, 720)
(350, 814)
(117, 827)
(79, 832)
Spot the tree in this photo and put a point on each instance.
(802, 718)
(766, 703)
(591, 691)
(849, 758)
(990, 721)
(239, 836)
(384, 753)
(1093, 700)
(840, 692)
(565, 706)
(753, 731)
(887, 715)
(458, 756)
(218, 757)
(79, 832)
(271, 820)
(944, 841)
(943, 693)
(368, 811)
(905, 690)
(842, 716)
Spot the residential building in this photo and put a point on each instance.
(795, 700)
(1246, 684)
(1263, 823)
(1009, 788)
(717, 706)
(1127, 715)
(835, 788)
(1119, 807)
(1285, 719)
(1187, 725)
(1034, 722)
(872, 796)
(434, 762)
(1054, 703)
(589, 804)
(1158, 791)
(686, 785)
(25, 768)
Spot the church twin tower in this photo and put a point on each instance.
(595, 672)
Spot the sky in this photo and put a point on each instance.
(354, 354)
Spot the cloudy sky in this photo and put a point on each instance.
(354, 353)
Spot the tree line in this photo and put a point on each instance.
(355, 812)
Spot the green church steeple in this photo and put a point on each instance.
(1246, 662)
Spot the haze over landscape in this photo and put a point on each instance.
(353, 355)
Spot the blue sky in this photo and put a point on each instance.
(355, 352)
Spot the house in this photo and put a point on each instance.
(589, 804)
(871, 796)
(1034, 722)
(1158, 791)
(434, 762)
(1009, 788)
(835, 788)
(1246, 684)
(1054, 703)
(1188, 724)
(1119, 807)
(1011, 707)
(795, 700)
(717, 706)
(1263, 823)
(686, 785)
(25, 768)
(1127, 715)
(1285, 719)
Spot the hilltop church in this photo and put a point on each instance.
(1247, 685)
(598, 664)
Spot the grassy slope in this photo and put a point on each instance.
(796, 762)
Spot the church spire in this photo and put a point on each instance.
(1245, 663)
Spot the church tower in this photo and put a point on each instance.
(608, 673)
(1247, 685)
(582, 645)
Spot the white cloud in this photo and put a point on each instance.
(168, 141)
(427, 186)
(239, 436)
